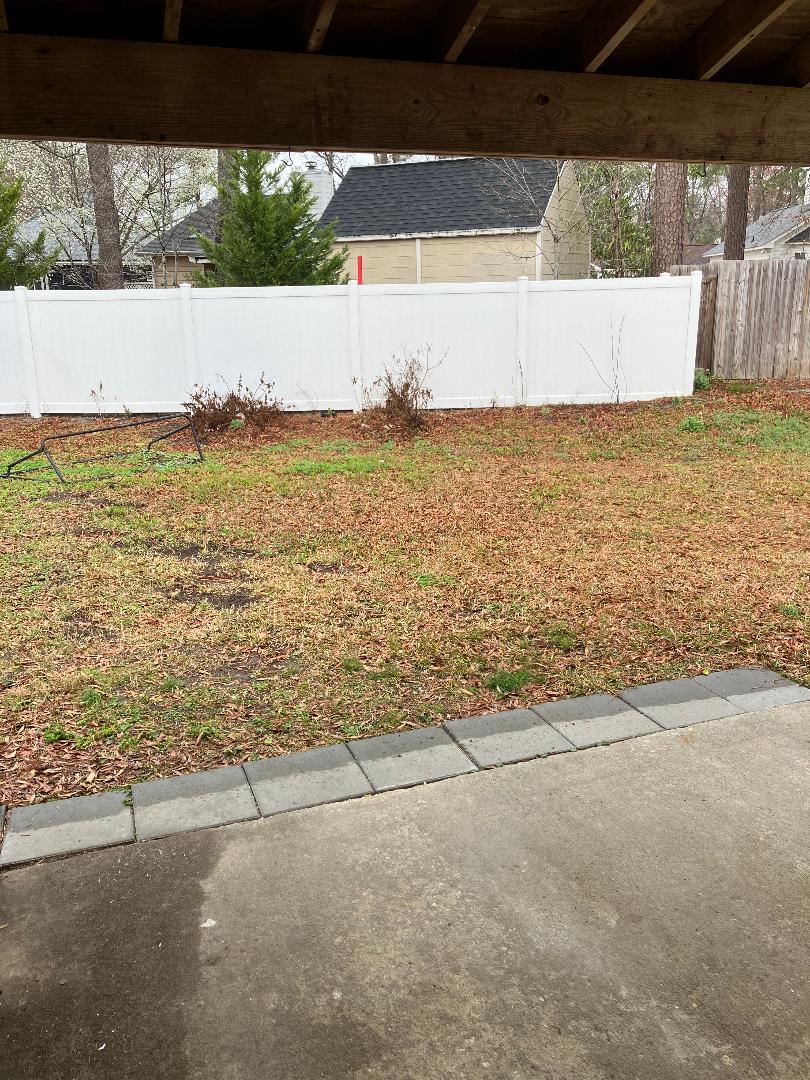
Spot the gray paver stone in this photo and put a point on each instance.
(754, 689)
(594, 719)
(294, 781)
(67, 825)
(410, 757)
(198, 801)
(505, 737)
(678, 703)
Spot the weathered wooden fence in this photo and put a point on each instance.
(754, 319)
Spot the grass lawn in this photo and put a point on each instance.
(322, 583)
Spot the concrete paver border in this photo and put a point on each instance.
(384, 763)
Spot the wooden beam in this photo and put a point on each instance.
(726, 32)
(794, 68)
(459, 21)
(172, 14)
(315, 23)
(605, 27)
(204, 96)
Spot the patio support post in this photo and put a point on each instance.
(522, 340)
(355, 355)
(27, 351)
(189, 351)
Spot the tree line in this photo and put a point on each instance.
(98, 203)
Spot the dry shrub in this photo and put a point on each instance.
(237, 406)
(400, 396)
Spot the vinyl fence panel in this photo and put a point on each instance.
(14, 394)
(144, 350)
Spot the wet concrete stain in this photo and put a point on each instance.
(66, 925)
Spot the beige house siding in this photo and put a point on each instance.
(563, 249)
(565, 243)
(502, 257)
(173, 271)
(385, 262)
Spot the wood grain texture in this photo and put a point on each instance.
(458, 23)
(732, 27)
(315, 23)
(605, 28)
(755, 319)
(172, 14)
(794, 68)
(234, 97)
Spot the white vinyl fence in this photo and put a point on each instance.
(323, 347)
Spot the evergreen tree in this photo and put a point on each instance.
(22, 262)
(267, 232)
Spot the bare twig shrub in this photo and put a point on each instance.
(400, 396)
(615, 376)
(215, 410)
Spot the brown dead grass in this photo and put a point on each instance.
(293, 593)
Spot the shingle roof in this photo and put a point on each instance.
(770, 227)
(449, 195)
(181, 239)
(70, 248)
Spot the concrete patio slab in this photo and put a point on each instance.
(678, 703)
(634, 914)
(410, 757)
(198, 801)
(506, 737)
(595, 719)
(296, 781)
(67, 825)
(754, 689)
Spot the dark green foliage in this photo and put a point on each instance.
(268, 235)
(22, 262)
(703, 379)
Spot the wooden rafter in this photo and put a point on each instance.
(605, 27)
(172, 14)
(297, 101)
(726, 32)
(794, 68)
(457, 25)
(315, 23)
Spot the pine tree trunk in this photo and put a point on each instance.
(108, 226)
(736, 211)
(669, 216)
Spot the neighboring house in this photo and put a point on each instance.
(177, 256)
(782, 234)
(462, 219)
(75, 268)
(694, 254)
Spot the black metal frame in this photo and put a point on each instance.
(43, 448)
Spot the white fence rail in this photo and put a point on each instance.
(143, 350)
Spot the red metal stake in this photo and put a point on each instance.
(359, 269)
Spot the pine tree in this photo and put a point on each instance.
(268, 234)
(22, 262)
(739, 177)
(669, 216)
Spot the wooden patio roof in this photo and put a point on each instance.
(648, 79)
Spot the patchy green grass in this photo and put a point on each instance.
(329, 585)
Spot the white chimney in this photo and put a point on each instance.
(323, 187)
